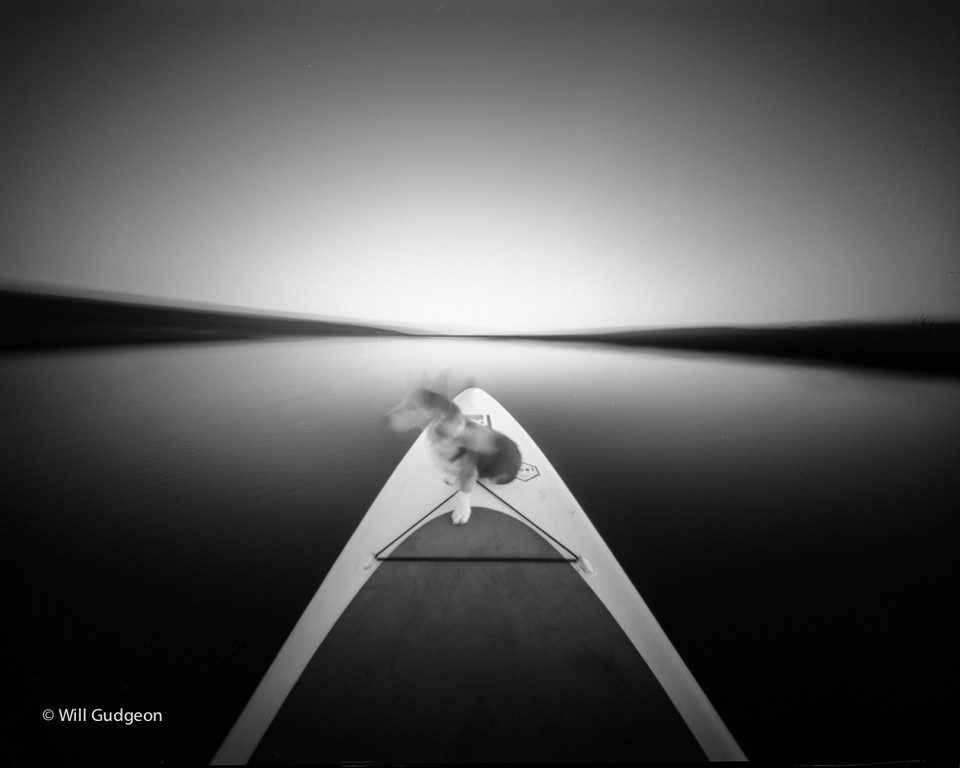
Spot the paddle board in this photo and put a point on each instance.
(517, 637)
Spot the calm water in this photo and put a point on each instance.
(169, 511)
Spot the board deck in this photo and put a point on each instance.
(516, 637)
(499, 653)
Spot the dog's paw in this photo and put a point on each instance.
(463, 509)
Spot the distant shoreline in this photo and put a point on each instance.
(36, 321)
(925, 347)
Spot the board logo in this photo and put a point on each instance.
(527, 472)
(479, 418)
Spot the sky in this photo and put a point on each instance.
(488, 166)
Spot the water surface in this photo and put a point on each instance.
(168, 512)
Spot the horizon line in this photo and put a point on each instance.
(42, 289)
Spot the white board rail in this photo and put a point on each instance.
(414, 488)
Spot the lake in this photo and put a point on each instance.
(168, 511)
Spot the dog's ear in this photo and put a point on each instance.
(438, 383)
(425, 384)
(443, 382)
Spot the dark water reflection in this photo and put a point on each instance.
(169, 511)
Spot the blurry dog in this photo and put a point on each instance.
(461, 448)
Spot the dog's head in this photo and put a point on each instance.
(418, 409)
